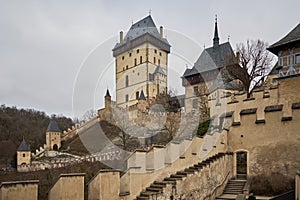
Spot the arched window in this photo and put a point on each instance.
(127, 81)
(135, 62)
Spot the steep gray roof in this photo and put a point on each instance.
(160, 70)
(53, 127)
(292, 36)
(212, 58)
(107, 93)
(144, 26)
(223, 81)
(23, 146)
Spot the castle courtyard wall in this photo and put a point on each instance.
(68, 186)
(25, 190)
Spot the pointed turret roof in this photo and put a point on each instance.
(142, 96)
(53, 127)
(107, 93)
(23, 146)
(216, 39)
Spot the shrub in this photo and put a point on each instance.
(203, 127)
(271, 184)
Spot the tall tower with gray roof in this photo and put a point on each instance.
(53, 136)
(141, 59)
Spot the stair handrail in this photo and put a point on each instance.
(214, 190)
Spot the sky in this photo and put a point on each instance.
(55, 56)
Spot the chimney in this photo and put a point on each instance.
(161, 31)
(121, 37)
(238, 57)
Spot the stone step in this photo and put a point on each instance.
(177, 176)
(157, 185)
(189, 171)
(153, 189)
(182, 173)
(142, 198)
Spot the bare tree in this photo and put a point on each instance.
(125, 125)
(255, 62)
(88, 115)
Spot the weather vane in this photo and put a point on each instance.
(149, 11)
(228, 38)
(216, 18)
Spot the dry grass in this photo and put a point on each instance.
(271, 184)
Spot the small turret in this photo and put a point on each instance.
(107, 100)
(23, 154)
(53, 136)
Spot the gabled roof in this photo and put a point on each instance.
(160, 70)
(53, 127)
(23, 146)
(215, 57)
(140, 28)
(292, 36)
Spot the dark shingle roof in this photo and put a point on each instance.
(145, 25)
(292, 36)
(107, 93)
(23, 146)
(53, 127)
(212, 58)
(142, 96)
(223, 81)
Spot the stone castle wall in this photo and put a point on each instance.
(68, 186)
(25, 190)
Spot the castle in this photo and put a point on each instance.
(247, 136)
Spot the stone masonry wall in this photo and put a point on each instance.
(25, 190)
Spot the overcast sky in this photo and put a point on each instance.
(49, 48)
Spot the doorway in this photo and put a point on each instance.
(55, 147)
(241, 163)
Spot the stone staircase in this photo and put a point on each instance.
(233, 188)
(157, 187)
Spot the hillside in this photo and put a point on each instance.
(28, 123)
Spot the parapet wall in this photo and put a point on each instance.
(25, 190)
(68, 186)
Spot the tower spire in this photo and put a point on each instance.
(216, 35)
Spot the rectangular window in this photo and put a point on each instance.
(135, 62)
(126, 98)
(154, 60)
(127, 81)
(137, 95)
(137, 51)
(297, 59)
(129, 54)
(141, 59)
(196, 90)
(155, 51)
(158, 60)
